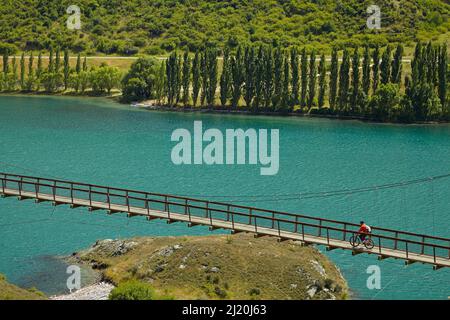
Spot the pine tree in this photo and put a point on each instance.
(397, 66)
(225, 78)
(66, 69)
(312, 80)
(366, 71)
(186, 77)
(354, 105)
(268, 77)
(322, 81)
(385, 66)
(196, 84)
(249, 82)
(344, 80)
(22, 72)
(295, 77)
(375, 68)
(334, 79)
(304, 77)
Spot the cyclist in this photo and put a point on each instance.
(363, 231)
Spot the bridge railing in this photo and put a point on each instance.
(257, 218)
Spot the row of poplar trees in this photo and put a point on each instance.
(24, 76)
(264, 78)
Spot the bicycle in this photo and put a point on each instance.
(355, 241)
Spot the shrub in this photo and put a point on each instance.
(132, 290)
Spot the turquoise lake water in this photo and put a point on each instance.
(101, 142)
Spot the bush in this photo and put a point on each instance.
(132, 290)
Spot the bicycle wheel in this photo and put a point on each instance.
(369, 244)
(355, 241)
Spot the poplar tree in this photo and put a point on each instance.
(397, 66)
(172, 78)
(186, 77)
(204, 76)
(249, 82)
(212, 69)
(285, 95)
(66, 69)
(39, 69)
(304, 77)
(344, 82)
(22, 72)
(277, 79)
(259, 78)
(57, 60)
(225, 78)
(385, 66)
(50, 60)
(14, 74)
(5, 64)
(442, 77)
(237, 76)
(312, 80)
(322, 81)
(333, 79)
(78, 66)
(85, 67)
(366, 71)
(295, 76)
(268, 77)
(355, 81)
(375, 68)
(196, 78)
(30, 82)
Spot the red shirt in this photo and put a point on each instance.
(363, 229)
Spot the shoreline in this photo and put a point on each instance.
(150, 106)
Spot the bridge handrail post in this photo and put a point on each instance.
(279, 230)
(273, 220)
(36, 188)
(423, 245)
(188, 208)
(127, 195)
(90, 195)
(256, 226)
(250, 211)
(108, 196)
(406, 242)
(20, 186)
(4, 183)
(434, 254)
(147, 205)
(208, 213)
(54, 190)
(232, 220)
(71, 193)
(166, 205)
(320, 228)
(328, 236)
(303, 232)
(228, 212)
(396, 240)
(296, 224)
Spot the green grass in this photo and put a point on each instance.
(219, 267)
(11, 292)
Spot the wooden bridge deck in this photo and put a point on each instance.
(239, 226)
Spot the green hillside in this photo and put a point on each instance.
(157, 26)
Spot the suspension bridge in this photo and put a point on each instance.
(388, 243)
